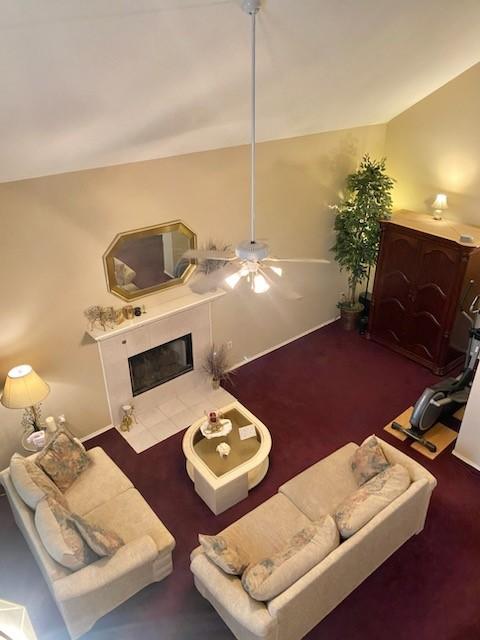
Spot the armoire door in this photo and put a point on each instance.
(431, 297)
(397, 271)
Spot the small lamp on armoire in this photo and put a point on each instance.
(439, 205)
(24, 389)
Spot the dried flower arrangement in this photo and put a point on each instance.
(105, 317)
(216, 364)
(207, 266)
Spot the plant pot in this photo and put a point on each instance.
(349, 316)
(215, 383)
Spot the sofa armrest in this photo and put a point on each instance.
(228, 592)
(416, 471)
(103, 572)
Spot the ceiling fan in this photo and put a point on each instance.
(251, 259)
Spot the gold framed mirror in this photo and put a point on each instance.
(143, 261)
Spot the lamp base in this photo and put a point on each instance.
(437, 215)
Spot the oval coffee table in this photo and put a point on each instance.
(220, 481)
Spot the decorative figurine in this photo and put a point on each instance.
(215, 426)
(223, 449)
(128, 417)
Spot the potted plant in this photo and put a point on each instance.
(367, 201)
(216, 364)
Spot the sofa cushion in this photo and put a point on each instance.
(266, 529)
(123, 273)
(373, 496)
(225, 556)
(308, 547)
(130, 517)
(63, 459)
(31, 483)
(320, 488)
(99, 483)
(101, 541)
(368, 460)
(60, 537)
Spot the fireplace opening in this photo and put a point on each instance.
(156, 366)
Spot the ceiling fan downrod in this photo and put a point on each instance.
(252, 7)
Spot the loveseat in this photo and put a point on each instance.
(103, 495)
(267, 529)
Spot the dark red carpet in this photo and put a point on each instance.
(315, 395)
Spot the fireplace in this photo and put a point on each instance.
(156, 366)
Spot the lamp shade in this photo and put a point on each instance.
(23, 388)
(15, 622)
(440, 202)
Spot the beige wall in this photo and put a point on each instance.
(435, 147)
(55, 230)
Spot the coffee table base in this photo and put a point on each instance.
(220, 499)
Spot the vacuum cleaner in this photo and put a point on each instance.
(448, 395)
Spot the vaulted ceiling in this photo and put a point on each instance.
(101, 82)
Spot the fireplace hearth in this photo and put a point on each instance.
(156, 366)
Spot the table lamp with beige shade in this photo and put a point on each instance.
(439, 205)
(24, 389)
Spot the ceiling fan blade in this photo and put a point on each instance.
(312, 260)
(215, 279)
(209, 254)
(279, 285)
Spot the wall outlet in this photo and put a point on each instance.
(229, 345)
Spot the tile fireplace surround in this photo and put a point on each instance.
(173, 405)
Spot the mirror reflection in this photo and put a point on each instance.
(144, 261)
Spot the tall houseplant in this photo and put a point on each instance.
(367, 201)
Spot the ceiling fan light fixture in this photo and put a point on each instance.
(260, 285)
(233, 279)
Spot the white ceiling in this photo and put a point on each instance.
(88, 83)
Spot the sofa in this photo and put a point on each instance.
(103, 495)
(267, 529)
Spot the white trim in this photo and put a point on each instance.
(248, 359)
(157, 312)
(104, 373)
(466, 460)
(94, 434)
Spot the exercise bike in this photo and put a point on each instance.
(448, 395)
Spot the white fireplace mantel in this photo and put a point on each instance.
(164, 409)
(156, 312)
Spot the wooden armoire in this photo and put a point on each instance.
(424, 273)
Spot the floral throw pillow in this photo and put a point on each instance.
(41, 479)
(60, 537)
(63, 460)
(368, 460)
(271, 576)
(369, 499)
(102, 541)
(227, 557)
(31, 483)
